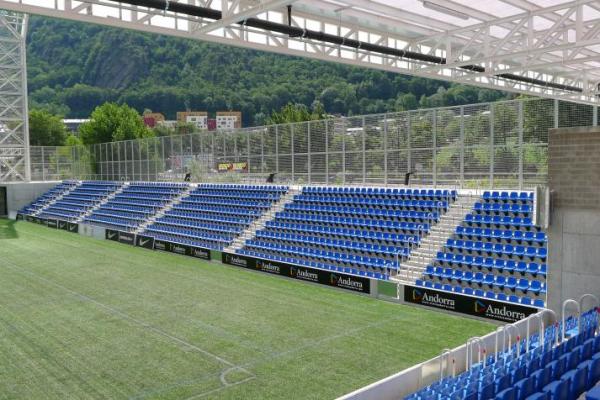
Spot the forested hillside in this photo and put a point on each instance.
(74, 67)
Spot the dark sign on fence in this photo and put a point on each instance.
(73, 227)
(127, 238)
(478, 307)
(52, 223)
(111, 234)
(182, 249)
(329, 278)
(146, 242)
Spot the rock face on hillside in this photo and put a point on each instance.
(73, 67)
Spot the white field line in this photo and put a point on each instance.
(137, 321)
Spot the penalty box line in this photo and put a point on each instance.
(115, 311)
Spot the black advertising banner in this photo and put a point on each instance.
(29, 218)
(52, 223)
(199, 253)
(19, 217)
(64, 225)
(127, 238)
(162, 245)
(41, 221)
(73, 227)
(182, 249)
(477, 307)
(146, 242)
(111, 234)
(329, 278)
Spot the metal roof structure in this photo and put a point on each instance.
(547, 48)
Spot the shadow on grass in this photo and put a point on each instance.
(7, 229)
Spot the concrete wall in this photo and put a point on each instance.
(574, 231)
(19, 195)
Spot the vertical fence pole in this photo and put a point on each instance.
(364, 151)
(385, 149)
(462, 146)
(492, 145)
(309, 151)
(327, 152)
(262, 151)
(277, 148)
(292, 151)
(595, 116)
(556, 108)
(409, 144)
(43, 166)
(434, 177)
(343, 151)
(520, 132)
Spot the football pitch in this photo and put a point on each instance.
(88, 319)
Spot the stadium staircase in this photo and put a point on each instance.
(68, 190)
(167, 207)
(413, 268)
(250, 232)
(103, 202)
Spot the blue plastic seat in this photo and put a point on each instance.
(557, 390)
(507, 394)
(577, 381)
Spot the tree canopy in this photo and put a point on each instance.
(113, 122)
(46, 129)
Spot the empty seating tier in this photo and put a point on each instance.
(45, 199)
(538, 369)
(362, 231)
(212, 216)
(78, 201)
(497, 253)
(130, 207)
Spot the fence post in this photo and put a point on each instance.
(520, 132)
(364, 149)
(492, 145)
(434, 177)
(277, 148)
(309, 151)
(292, 151)
(409, 145)
(327, 152)
(385, 149)
(462, 146)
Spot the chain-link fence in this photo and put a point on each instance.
(502, 144)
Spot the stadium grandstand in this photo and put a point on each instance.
(429, 254)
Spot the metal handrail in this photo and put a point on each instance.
(564, 309)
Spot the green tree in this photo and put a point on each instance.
(112, 122)
(46, 129)
(297, 113)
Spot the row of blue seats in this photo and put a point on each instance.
(265, 196)
(508, 196)
(364, 222)
(189, 234)
(226, 210)
(498, 249)
(339, 243)
(514, 208)
(524, 300)
(378, 191)
(466, 261)
(202, 216)
(479, 278)
(344, 232)
(227, 203)
(229, 228)
(124, 224)
(128, 194)
(187, 241)
(223, 235)
(374, 202)
(363, 211)
(315, 264)
(159, 185)
(505, 234)
(563, 372)
(259, 188)
(330, 255)
(140, 209)
(118, 214)
(475, 219)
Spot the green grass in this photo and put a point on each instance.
(87, 319)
